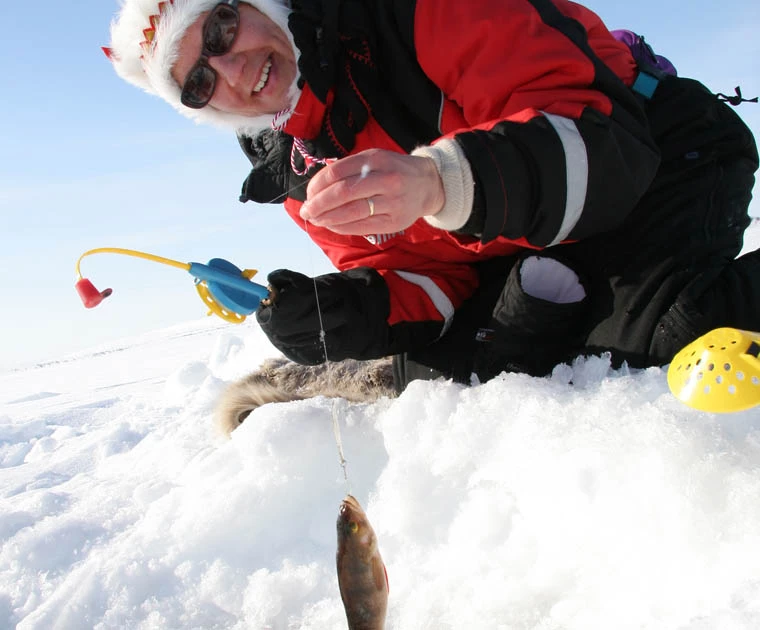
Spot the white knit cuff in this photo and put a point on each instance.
(458, 184)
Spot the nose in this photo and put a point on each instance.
(229, 67)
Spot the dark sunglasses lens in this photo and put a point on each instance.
(220, 30)
(199, 87)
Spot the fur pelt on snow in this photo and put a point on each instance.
(281, 380)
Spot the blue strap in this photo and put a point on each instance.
(645, 84)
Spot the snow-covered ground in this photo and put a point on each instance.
(521, 503)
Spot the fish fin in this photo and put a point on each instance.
(379, 573)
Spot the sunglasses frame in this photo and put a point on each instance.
(202, 66)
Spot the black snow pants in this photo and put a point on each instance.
(667, 275)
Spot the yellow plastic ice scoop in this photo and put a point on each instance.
(719, 372)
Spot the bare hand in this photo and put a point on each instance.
(402, 188)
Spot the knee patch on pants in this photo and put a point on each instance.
(537, 321)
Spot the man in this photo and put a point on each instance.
(493, 192)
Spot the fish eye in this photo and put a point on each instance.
(353, 527)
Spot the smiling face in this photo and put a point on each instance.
(255, 77)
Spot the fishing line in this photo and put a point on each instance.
(287, 193)
(364, 172)
(334, 407)
(339, 443)
(322, 337)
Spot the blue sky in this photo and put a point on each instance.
(88, 161)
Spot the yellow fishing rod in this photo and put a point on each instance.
(226, 290)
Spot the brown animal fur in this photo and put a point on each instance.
(281, 380)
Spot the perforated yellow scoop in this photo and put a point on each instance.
(719, 372)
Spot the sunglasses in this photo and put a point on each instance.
(219, 32)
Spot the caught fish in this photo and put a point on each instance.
(362, 578)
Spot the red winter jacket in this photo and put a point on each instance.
(553, 157)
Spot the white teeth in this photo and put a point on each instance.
(264, 76)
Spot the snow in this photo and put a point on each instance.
(520, 503)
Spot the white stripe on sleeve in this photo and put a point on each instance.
(440, 300)
(576, 160)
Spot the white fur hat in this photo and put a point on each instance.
(145, 38)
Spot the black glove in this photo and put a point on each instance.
(354, 308)
(272, 179)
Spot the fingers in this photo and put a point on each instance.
(354, 167)
(351, 216)
(338, 193)
(402, 188)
